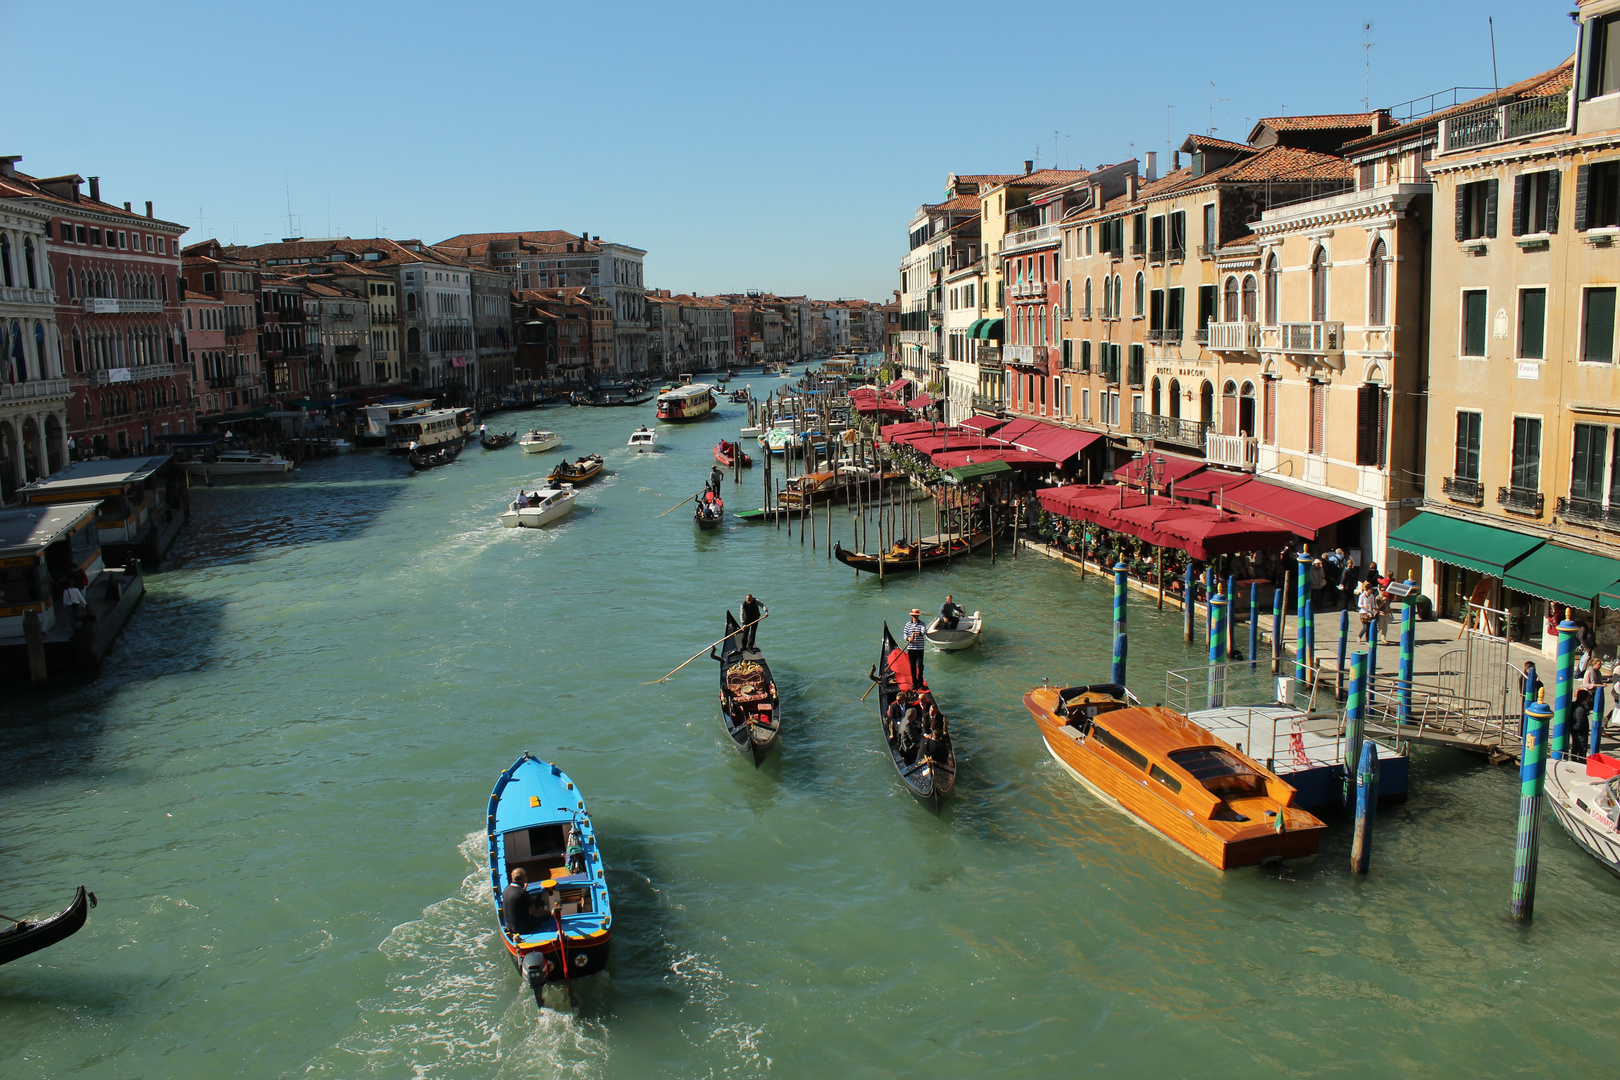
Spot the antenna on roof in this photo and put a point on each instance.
(1211, 108)
(1366, 101)
(290, 231)
(1496, 84)
(1167, 140)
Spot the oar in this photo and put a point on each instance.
(674, 508)
(8, 918)
(869, 689)
(711, 645)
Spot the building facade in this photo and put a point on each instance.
(34, 393)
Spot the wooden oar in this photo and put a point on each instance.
(709, 646)
(8, 918)
(676, 507)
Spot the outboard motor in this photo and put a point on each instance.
(536, 969)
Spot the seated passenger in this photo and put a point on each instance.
(518, 907)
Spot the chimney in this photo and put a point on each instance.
(1130, 187)
(8, 165)
(1152, 165)
(127, 210)
(148, 207)
(95, 188)
(1175, 161)
(1029, 166)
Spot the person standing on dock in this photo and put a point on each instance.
(752, 612)
(915, 634)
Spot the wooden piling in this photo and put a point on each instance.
(1366, 803)
(34, 636)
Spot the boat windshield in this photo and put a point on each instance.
(1221, 772)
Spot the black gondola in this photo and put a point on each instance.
(20, 939)
(711, 510)
(927, 767)
(498, 441)
(442, 454)
(902, 556)
(748, 700)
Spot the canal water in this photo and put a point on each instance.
(277, 787)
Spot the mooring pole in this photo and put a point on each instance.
(1532, 782)
(1344, 645)
(1408, 646)
(1366, 803)
(1597, 722)
(1563, 688)
(1355, 719)
(1231, 614)
(1254, 624)
(1120, 644)
(1279, 601)
(1217, 652)
(1187, 607)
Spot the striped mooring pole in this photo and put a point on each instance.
(1209, 599)
(1254, 624)
(1231, 609)
(1408, 645)
(1306, 658)
(1120, 643)
(1355, 720)
(1187, 606)
(1532, 782)
(1366, 803)
(1344, 647)
(1597, 722)
(1563, 690)
(1217, 652)
(1279, 600)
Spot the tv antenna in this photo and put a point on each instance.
(1366, 28)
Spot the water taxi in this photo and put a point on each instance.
(427, 431)
(644, 439)
(240, 463)
(536, 441)
(686, 402)
(538, 508)
(1585, 797)
(1173, 776)
(534, 813)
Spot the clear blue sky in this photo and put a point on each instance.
(744, 145)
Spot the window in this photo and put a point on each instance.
(1377, 286)
(1591, 456)
(1598, 332)
(208, 283)
(1231, 299)
(1178, 236)
(1210, 239)
(1085, 402)
(1532, 323)
(1135, 373)
(1068, 400)
(1317, 435)
(95, 235)
(1068, 296)
(1319, 285)
(1164, 778)
(1175, 310)
(1086, 303)
(78, 234)
(1138, 233)
(1273, 285)
(67, 233)
(1251, 299)
(1206, 308)
(1597, 195)
(1476, 210)
(1141, 289)
(1156, 311)
(1068, 354)
(1156, 233)
(1123, 749)
(1526, 474)
(1372, 420)
(1603, 56)
(1535, 203)
(1085, 356)
(1466, 465)
(1270, 392)
(1474, 314)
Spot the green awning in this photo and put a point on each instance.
(1463, 543)
(1563, 575)
(978, 324)
(989, 329)
(976, 470)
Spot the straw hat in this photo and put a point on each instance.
(916, 611)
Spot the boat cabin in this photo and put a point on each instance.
(540, 851)
(40, 547)
(375, 418)
(142, 502)
(427, 429)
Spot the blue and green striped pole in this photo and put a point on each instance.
(1597, 722)
(1305, 643)
(1119, 623)
(1563, 690)
(1209, 599)
(1355, 720)
(1254, 624)
(1217, 652)
(1366, 802)
(1279, 601)
(1344, 647)
(1231, 612)
(1532, 782)
(1408, 646)
(1187, 606)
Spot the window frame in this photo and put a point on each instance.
(1519, 324)
(1463, 324)
(1524, 474)
(1587, 292)
(1476, 429)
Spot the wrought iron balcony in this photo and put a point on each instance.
(1463, 490)
(1168, 336)
(1171, 429)
(1233, 451)
(1085, 313)
(1136, 251)
(1589, 512)
(1155, 256)
(1178, 253)
(985, 404)
(1234, 336)
(1520, 501)
(1500, 123)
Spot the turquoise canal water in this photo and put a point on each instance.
(278, 788)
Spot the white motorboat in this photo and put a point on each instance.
(549, 504)
(644, 439)
(240, 463)
(1588, 807)
(536, 441)
(749, 432)
(968, 629)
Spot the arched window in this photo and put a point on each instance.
(40, 354)
(28, 262)
(1229, 410)
(1141, 295)
(1273, 284)
(78, 352)
(1246, 410)
(1206, 403)
(1153, 396)
(1319, 285)
(5, 260)
(1119, 296)
(73, 293)
(1250, 300)
(1087, 303)
(1229, 299)
(1175, 398)
(1377, 286)
(1108, 298)
(1068, 295)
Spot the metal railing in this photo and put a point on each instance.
(1462, 489)
(986, 404)
(1178, 252)
(1520, 501)
(1169, 429)
(1499, 123)
(1167, 336)
(1234, 336)
(1427, 710)
(1233, 451)
(104, 305)
(1589, 512)
(1023, 238)
(1312, 337)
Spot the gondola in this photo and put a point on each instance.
(726, 454)
(498, 441)
(748, 700)
(443, 454)
(928, 769)
(580, 471)
(19, 939)
(903, 557)
(710, 510)
(531, 811)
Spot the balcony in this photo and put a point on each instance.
(235, 329)
(1589, 512)
(1178, 253)
(1201, 336)
(1233, 451)
(1311, 338)
(289, 315)
(1134, 371)
(985, 404)
(1170, 429)
(1461, 489)
(1520, 501)
(1085, 313)
(1155, 256)
(1026, 355)
(1136, 251)
(1040, 235)
(108, 376)
(1207, 251)
(989, 357)
(12, 294)
(1234, 336)
(36, 390)
(106, 305)
(245, 380)
(1168, 336)
(1501, 123)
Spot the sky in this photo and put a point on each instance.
(772, 146)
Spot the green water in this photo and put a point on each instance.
(277, 788)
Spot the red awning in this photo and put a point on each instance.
(933, 444)
(1057, 443)
(1210, 484)
(913, 430)
(1306, 515)
(897, 386)
(1026, 459)
(1166, 467)
(921, 401)
(983, 423)
(1202, 531)
(885, 406)
(896, 432)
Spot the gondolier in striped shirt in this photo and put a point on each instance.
(916, 640)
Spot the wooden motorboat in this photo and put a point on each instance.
(644, 439)
(710, 509)
(748, 699)
(927, 761)
(532, 812)
(903, 556)
(433, 456)
(832, 485)
(726, 453)
(19, 939)
(1159, 767)
(538, 508)
(966, 634)
(1585, 797)
(536, 441)
(741, 397)
(579, 471)
(498, 441)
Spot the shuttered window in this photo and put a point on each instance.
(1372, 417)
(1532, 323)
(1535, 203)
(1318, 417)
(1598, 333)
(1475, 311)
(1586, 470)
(1597, 195)
(1270, 393)
(1526, 474)
(1377, 279)
(1466, 463)
(1476, 210)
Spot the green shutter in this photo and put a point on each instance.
(1532, 323)
(1599, 335)
(1474, 318)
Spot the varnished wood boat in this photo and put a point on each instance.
(928, 769)
(1165, 771)
(726, 452)
(748, 699)
(19, 939)
(579, 471)
(442, 454)
(902, 557)
(498, 441)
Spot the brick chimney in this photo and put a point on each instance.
(8, 165)
(148, 207)
(1029, 166)
(95, 188)
(127, 210)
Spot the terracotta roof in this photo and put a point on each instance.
(390, 252)
(1285, 163)
(1543, 84)
(1200, 142)
(20, 185)
(1049, 177)
(960, 202)
(1320, 122)
(542, 237)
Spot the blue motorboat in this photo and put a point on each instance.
(538, 824)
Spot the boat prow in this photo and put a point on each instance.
(19, 939)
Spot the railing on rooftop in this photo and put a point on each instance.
(1040, 234)
(1500, 123)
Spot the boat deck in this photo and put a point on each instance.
(1305, 749)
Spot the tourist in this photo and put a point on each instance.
(1332, 573)
(78, 607)
(950, 613)
(1318, 583)
(752, 612)
(1381, 616)
(916, 640)
(1367, 606)
(575, 851)
(1591, 675)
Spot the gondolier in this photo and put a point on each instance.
(914, 632)
(752, 612)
